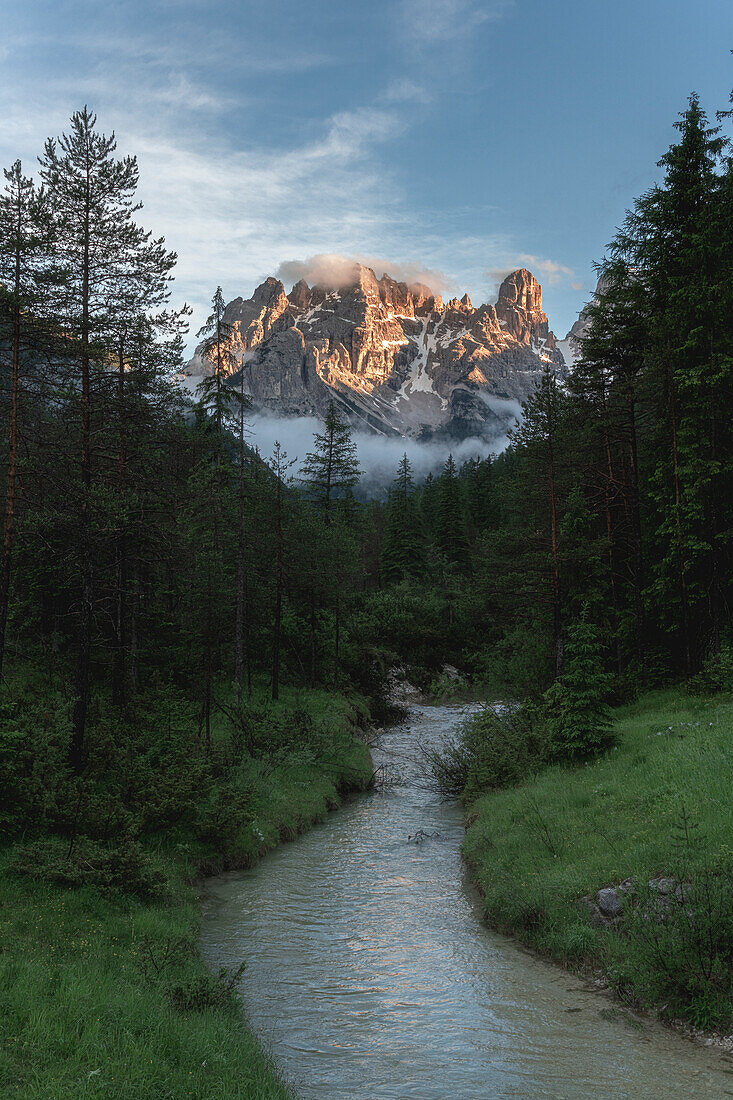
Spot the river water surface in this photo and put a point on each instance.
(371, 975)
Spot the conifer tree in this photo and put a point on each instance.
(216, 397)
(403, 553)
(450, 526)
(331, 470)
(22, 216)
(106, 260)
(540, 430)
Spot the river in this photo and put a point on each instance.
(371, 975)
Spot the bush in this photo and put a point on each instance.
(492, 750)
(206, 990)
(224, 815)
(504, 749)
(574, 708)
(716, 675)
(681, 950)
(126, 867)
(33, 751)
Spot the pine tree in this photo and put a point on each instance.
(450, 527)
(216, 397)
(107, 261)
(403, 552)
(22, 240)
(540, 430)
(280, 466)
(331, 470)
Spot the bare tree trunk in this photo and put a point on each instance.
(312, 637)
(239, 628)
(636, 523)
(336, 661)
(611, 543)
(10, 496)
(119, 672)
(556, 600)
(684, 602)
(278, 591)
(81, 703)
(134, 634)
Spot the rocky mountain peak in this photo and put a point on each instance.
(300, 295)
(395, 357)
(520, 290)
(268, 293)
(519, 309)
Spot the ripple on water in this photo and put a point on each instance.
(370, 973)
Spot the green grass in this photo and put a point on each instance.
(94, 985)
(538, 848)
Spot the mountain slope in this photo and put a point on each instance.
(396, 358)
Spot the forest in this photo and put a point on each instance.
(184, 623)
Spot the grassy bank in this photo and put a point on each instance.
(102, 989)
(658, 806)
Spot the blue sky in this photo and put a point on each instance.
(447, 139)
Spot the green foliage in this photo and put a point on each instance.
(574, 708)
(539, 847)
(83, 862)
(504, 749)
(716, 674)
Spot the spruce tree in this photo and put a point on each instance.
(403, 553)
(450, 526)
(216, 397)
(331, 470)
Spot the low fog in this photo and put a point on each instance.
(378, 455)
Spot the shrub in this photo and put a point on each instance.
(224, 815)
(492, 750)
(681, 950)
(125, 867)
(503, 749)
(716, 675)
(33, 752)
(574, 708)
(205, 990)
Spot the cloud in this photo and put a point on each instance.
(550, 270)
(406, 91)
(547, 272)
(436, 21)
(378, 456)
(330, 270)
(234, 196)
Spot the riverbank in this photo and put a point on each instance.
(652, 820)
(102, 988)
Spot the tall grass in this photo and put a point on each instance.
(105, 994)
(539, 848)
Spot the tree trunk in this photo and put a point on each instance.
(638, 550)
(556, 604)
(239, 628)
(684, 602)
(119, 672)
(10, 496)
(611, 544)
(87, 577)
(336, 661)
(278, 591)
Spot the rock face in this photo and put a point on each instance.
(570, 347)
(396, 358)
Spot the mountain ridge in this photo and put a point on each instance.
(395, 357)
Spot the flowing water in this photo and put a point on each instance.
(371, 975)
